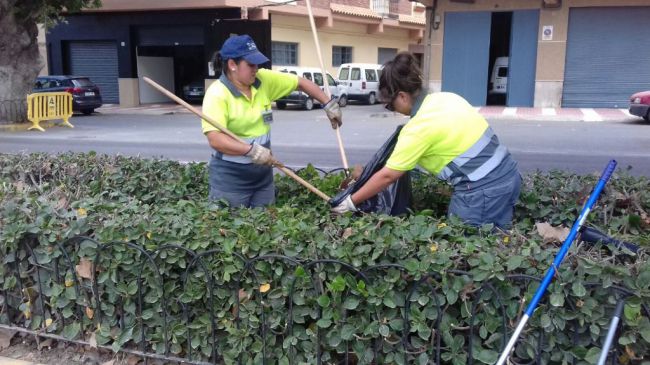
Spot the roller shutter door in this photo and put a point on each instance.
(607, 56)
(98, 61)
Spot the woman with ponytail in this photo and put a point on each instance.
(449, 138)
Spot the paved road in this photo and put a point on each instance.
(301, 137)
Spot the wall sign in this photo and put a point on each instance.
(547, 33)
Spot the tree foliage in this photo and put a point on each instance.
(20, 61)
(49, 11)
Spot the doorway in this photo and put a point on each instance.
(175, 66)
(474, 42)
(500, 34)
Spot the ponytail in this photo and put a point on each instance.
(402, 73)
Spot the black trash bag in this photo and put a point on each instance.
(396, 199)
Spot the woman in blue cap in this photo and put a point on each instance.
(240, 100)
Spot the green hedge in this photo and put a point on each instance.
(161, 206)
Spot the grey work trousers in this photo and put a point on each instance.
(253, 199)
(493, 204)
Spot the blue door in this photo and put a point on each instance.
(466, 55)
(523, 58)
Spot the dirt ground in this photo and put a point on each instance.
(51, 352)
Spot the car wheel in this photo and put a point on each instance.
(280, 105)
(88, 111)
(647, 117)
(309, 104)
(372, 99)
(343, 101)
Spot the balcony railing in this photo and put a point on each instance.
(386, 8)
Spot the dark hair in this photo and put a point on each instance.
(400, 74)
(221, 63)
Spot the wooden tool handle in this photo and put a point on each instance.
(344, 159)
(225, 130)
(311, 188)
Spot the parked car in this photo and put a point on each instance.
(640, 105)
(313, 74)
(85, 95)
(194, 91)
(360, 81)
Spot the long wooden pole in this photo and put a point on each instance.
(344, 159)
(225, 130)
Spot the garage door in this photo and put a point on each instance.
(98, 61)
(607, 56)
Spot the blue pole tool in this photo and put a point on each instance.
(607, 173)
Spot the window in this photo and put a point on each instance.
(284, 53)
(307, 75)
(81, 82)
(380, 6)
(330, 80)
(51, 83)
(345, 72)
(318, 78)
(40, 83)
(356, 74)
(385, 54)
(371, 75)
(341, 55)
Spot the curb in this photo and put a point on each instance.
(10, 361)
(21, 127)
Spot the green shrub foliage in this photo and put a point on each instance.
(129, 253)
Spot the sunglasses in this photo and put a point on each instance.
(389, 106)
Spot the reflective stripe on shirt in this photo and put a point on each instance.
(477, 162)
(263, 140)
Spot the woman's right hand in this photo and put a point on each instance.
(333, 112)
(260, 155)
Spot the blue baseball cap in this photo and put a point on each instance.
(242, 46)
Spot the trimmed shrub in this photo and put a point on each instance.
(130, 253)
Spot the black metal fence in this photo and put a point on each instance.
(162, 279)
(13, 111)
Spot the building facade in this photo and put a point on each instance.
(560, 53)
(569, 53)
(174, 42)
(348, 31)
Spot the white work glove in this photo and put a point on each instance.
(333, 112)
(260, 155)
(346, 206)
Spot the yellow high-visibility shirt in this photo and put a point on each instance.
(443, 128)
(241, 115)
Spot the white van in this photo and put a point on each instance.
(298, 97)
(360, 81)
(499, 77)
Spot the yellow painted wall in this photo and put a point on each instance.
(296, 29)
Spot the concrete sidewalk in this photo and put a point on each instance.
(559, 114)
(491, 112)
